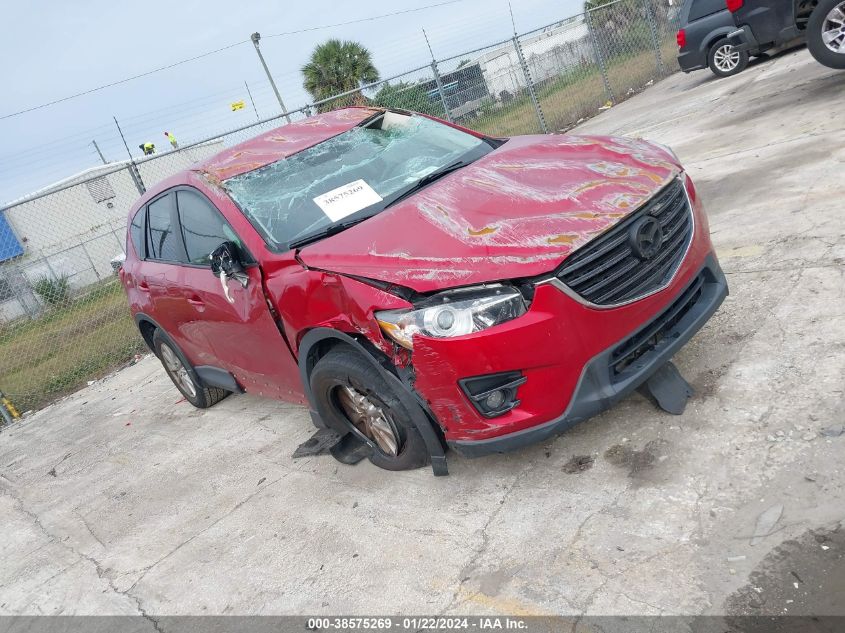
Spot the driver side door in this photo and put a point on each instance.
(243, 335)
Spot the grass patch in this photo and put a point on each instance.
(58, 353)
(575, 94)
(56, 292)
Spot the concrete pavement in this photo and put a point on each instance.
(122, 499)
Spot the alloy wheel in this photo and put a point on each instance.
(833, 29)
(177, 370)
(369, 419)
(726, 58)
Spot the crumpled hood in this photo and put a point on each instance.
(516, 212)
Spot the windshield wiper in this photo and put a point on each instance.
(437, 174)
(326, 232)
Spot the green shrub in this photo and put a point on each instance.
(406, 96)
(55, 292)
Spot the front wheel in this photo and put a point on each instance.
(724, 60)
(352, 397)
(826, 33)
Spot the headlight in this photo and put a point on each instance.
(453, 313)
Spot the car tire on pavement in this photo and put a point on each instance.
(724, 61)
(351, 396)
(826, 33)
(179, 371)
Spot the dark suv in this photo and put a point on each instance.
(702, 39)
(765, 24)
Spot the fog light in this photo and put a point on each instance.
(494, 394)
(495, 400)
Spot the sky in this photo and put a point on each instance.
(52, 49)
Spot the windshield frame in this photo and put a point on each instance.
(486, 145)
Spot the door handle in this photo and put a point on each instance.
(196, 301)
(142, 286)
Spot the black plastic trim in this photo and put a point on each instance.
(513, 384)
(140, 316)
(513, 381)
(215, 377)
(744, 41)
(419, 414)
(596, 391)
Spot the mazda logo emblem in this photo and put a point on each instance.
(646, 237)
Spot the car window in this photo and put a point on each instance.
(162, 239)
(203, 227)
(702, 8)
(136, 233)
(319, 186)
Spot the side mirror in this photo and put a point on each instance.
(226, 258)
(226, 264)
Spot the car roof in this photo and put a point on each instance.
(282, 142)
(264, 149)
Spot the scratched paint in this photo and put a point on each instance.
(519, 211)
(281, 142)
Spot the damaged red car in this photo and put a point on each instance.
(421, 286)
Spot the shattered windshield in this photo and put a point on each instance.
(363, 168)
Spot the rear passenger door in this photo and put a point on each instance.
(243, 335)
(162, 277)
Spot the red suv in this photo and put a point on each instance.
(419, 285)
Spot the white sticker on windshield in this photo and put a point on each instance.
(346, 200)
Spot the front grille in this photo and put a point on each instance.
(650, 336)
(606, 271)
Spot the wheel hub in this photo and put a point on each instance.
(726, 58)
(833, 29)
(369, 419)
(177, 370)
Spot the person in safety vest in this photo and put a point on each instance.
(148, 148)
(172, 140)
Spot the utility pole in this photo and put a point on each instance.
(257, 118)
(97, 147)
(123, 138)
(133, 168)
(255, 38)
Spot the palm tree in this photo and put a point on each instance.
(336, 67)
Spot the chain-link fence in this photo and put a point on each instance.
(63, 314)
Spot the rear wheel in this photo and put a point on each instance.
(724, 60)
(182, 374)
(352, 397)
(826, 33)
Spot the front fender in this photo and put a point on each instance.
(414, 405)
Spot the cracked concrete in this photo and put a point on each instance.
(123, 500)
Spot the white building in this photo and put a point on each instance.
(74, 227)
(548, 54)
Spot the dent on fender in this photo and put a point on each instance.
(306, 299)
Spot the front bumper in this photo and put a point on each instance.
(598, 388)
(550, 346)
